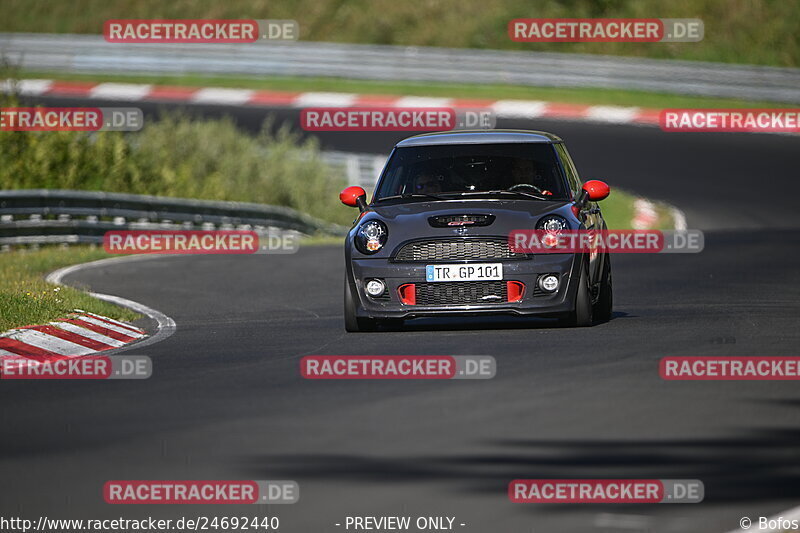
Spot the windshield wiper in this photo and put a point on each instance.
(516, 193)
(411, 195)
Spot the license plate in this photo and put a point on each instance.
(473, 272)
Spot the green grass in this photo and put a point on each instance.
(401, 88)
(736, 31)
(618, 211)
(26, 299)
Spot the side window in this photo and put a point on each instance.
(569, 167)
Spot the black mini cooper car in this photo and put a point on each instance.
(434, 241)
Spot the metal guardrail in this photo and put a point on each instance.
(46, 216)
(359, 169)
(92, 54)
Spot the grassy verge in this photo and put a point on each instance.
(26, 299)
(401, 88)
(618, 211)
(741, 31)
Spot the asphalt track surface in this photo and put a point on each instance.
(226, 400)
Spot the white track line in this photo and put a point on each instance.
(165, 325)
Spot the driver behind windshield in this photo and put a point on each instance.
(427, 182)
(472, 169)
(527, 171)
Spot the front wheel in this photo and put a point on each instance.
(603, 309)
(352, 323)
(581, 315)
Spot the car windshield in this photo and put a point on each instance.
(526, 170)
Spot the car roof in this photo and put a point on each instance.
(480, 137)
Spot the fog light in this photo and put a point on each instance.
(548, 282)
(375, 287)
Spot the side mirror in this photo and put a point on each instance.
(594, 191)
(354, 196)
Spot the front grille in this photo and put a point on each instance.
(461, 293)
(481, 248)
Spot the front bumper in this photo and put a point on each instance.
(533, 302)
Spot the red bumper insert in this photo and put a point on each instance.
(515, 290)
(408, 293)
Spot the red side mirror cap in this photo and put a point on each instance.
(596, 189)
(350, 195)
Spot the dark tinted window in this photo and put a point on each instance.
(569, 167)
(445, 170)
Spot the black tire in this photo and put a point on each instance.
(352, 323)
(581, 314)
(604, 307)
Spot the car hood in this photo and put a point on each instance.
(411, 218)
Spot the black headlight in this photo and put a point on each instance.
(552, 224)
(371, 236)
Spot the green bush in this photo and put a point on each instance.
(180, 157)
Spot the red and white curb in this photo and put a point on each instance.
(81, 333)
(164, 325)
(84, 333)
(130, 92)
(646, 217)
